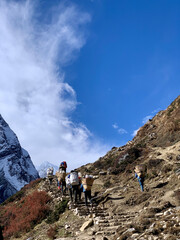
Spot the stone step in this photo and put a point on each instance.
(103, 214)
(105, 233)
(122, 219)
(127, 213)
(92, 209)
(108, 228)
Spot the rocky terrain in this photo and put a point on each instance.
(16, 167)
(119, 209)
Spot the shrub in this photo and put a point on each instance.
(52, 231)
(170, 110)
(98, 164)
(32, 184)
(59, 208)
(24, 215)
(153, 163)
(167, 168)
(107, 184)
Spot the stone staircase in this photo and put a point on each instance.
(105, 223)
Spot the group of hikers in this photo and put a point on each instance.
(75, 183)
(72, 182)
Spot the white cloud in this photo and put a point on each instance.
(135, 132)
(119, 130)
(35, 100)
(145, 119)
(122, 131)
(115, 126)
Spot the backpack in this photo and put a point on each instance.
(87, 182)
(50, 172)
(61, 175)
(68, 182)
(140, 170)
(74, 178)
(63, 165)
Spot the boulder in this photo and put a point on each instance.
(86, 225)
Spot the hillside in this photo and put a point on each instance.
(120, 210)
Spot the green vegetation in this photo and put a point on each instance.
(59, 208)
(170, 110)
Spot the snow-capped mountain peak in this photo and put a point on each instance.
(16, 167)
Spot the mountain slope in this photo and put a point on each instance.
(120, 211)
(16, 167)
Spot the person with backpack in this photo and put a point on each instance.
(86, 186)
(69, 187)
(140, 175)
(79, 186)
(61, 175)
(74, 180)
(63, 166)
(50, 171)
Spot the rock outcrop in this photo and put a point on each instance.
(16, 167)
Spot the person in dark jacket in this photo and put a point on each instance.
(87, 194)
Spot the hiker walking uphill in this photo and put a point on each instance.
(140, 171)
(61, 175)
(63, 166)
(69, 186)
(86, 186)
(50, 174)
(74, 180)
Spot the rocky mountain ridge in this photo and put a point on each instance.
(16, 167)
(120, 210)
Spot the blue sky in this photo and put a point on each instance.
(129, 67)
(79, 77)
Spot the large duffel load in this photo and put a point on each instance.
(50, 172)
(74, 179)
(87, 182)
(61, 175)
(140, 170)
(68, 182)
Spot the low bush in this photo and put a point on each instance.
(59, 208)
(24, 215)
(153, 163)
(52, 231)
(167, 168)
(107, 184)
(32, 184)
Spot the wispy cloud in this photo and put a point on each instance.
(119, 130)
(145, 120)
(115, 126)
(35, 98)
(134, 132)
